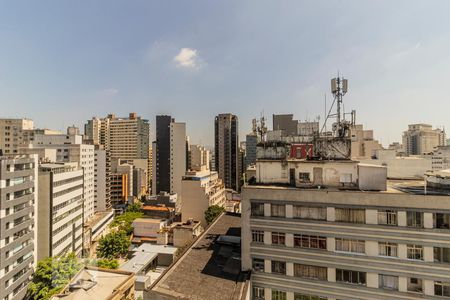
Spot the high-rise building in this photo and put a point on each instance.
(13, 133)
(170, 158)
(349, 236)
(227, 150)
(422, 139)
(285, 123)
(199, 158)
(102, 186)
(60, 209)
(18, 190)
(251, 140)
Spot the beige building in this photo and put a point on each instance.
(422, 139)
(363, 143)
(345, 242)
(201, 190)
(14, 133)
(199, 158)
(60, 210)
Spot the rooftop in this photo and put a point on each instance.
(139, 261)
(164, 249)
(157, 207)
(208, 270)
(148, 220)
(95, 283)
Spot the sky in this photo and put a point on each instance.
(63, 62)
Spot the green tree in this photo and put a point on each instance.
(135, 207)
(213, 212)
(124, 221)
(104, 263)
(52, 275)
(113, 245)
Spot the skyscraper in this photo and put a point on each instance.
(227, 150)
(169, 159)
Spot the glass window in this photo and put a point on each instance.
(441, 221)
(349, 276)
(387, 217)
(442, 254)
(387, 249)
(313, 272)
(278, 210)
(258, 264)
(388, 282)
(347, 245)
(307, 297)
(278, 238)
(303, 177)
(278, 267)
(442, 289)
(414, 252)
(414, 219)
(350, 215)
(257, 236)
(258, 293)
(310, 241)
(415, 285)
(311, 213)
(257, 209)
(278, 295)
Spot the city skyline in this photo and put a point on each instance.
(203, 59)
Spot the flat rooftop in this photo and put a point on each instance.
(93, 283)
(208, 270)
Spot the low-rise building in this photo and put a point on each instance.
(158, 212)
(146, 230)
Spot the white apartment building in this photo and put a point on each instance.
(102, 186)
(18, 195)
(199, 158)
(60, 210)
(347, 240)
(177, 156)
(13, 133)
(440, 158)
(201, 190)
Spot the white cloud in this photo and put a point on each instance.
(187, 58)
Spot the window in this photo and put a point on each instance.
(350, 215)
(278, 210)
(442, 254)
(278, 238)
(414, 219)
(258, 264)
(414, 252)
(310, 241)
(278, 295)
(347, 245)
(257, 209)
(442, 289)
(388, 282)
(387, 217)
(278, 267)
(311, 213)
(307, 297)
(313, 272)
(348, 276)
(387, 249)
(303, 177)
(415, 285)
(257, 236)
(258, 293)
(441, 221)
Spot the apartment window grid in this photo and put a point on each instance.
(414, 219)
(258, 293)
(278, 210)
(350, 215)
(258, 264)
(310, 241)
(278, 238)
(311, 272)
(307, 297)
(278, 267)
(415, 285)
(388, 282)
(387, 217)
(257, 236)
(349, 245)
(348, 276)
(414, 252)
(257, 209)
(309, 213)
(388, 249)
(442, 289)
(278, 295)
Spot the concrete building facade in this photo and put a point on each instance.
(422, 139)
(14, 133)
(18, 198)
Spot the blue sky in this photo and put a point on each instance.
(62, 62)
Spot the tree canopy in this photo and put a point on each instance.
(104, 263)
(213, 212)
(52, 275)
(113, 245)
(135, 207)
(124, 221)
